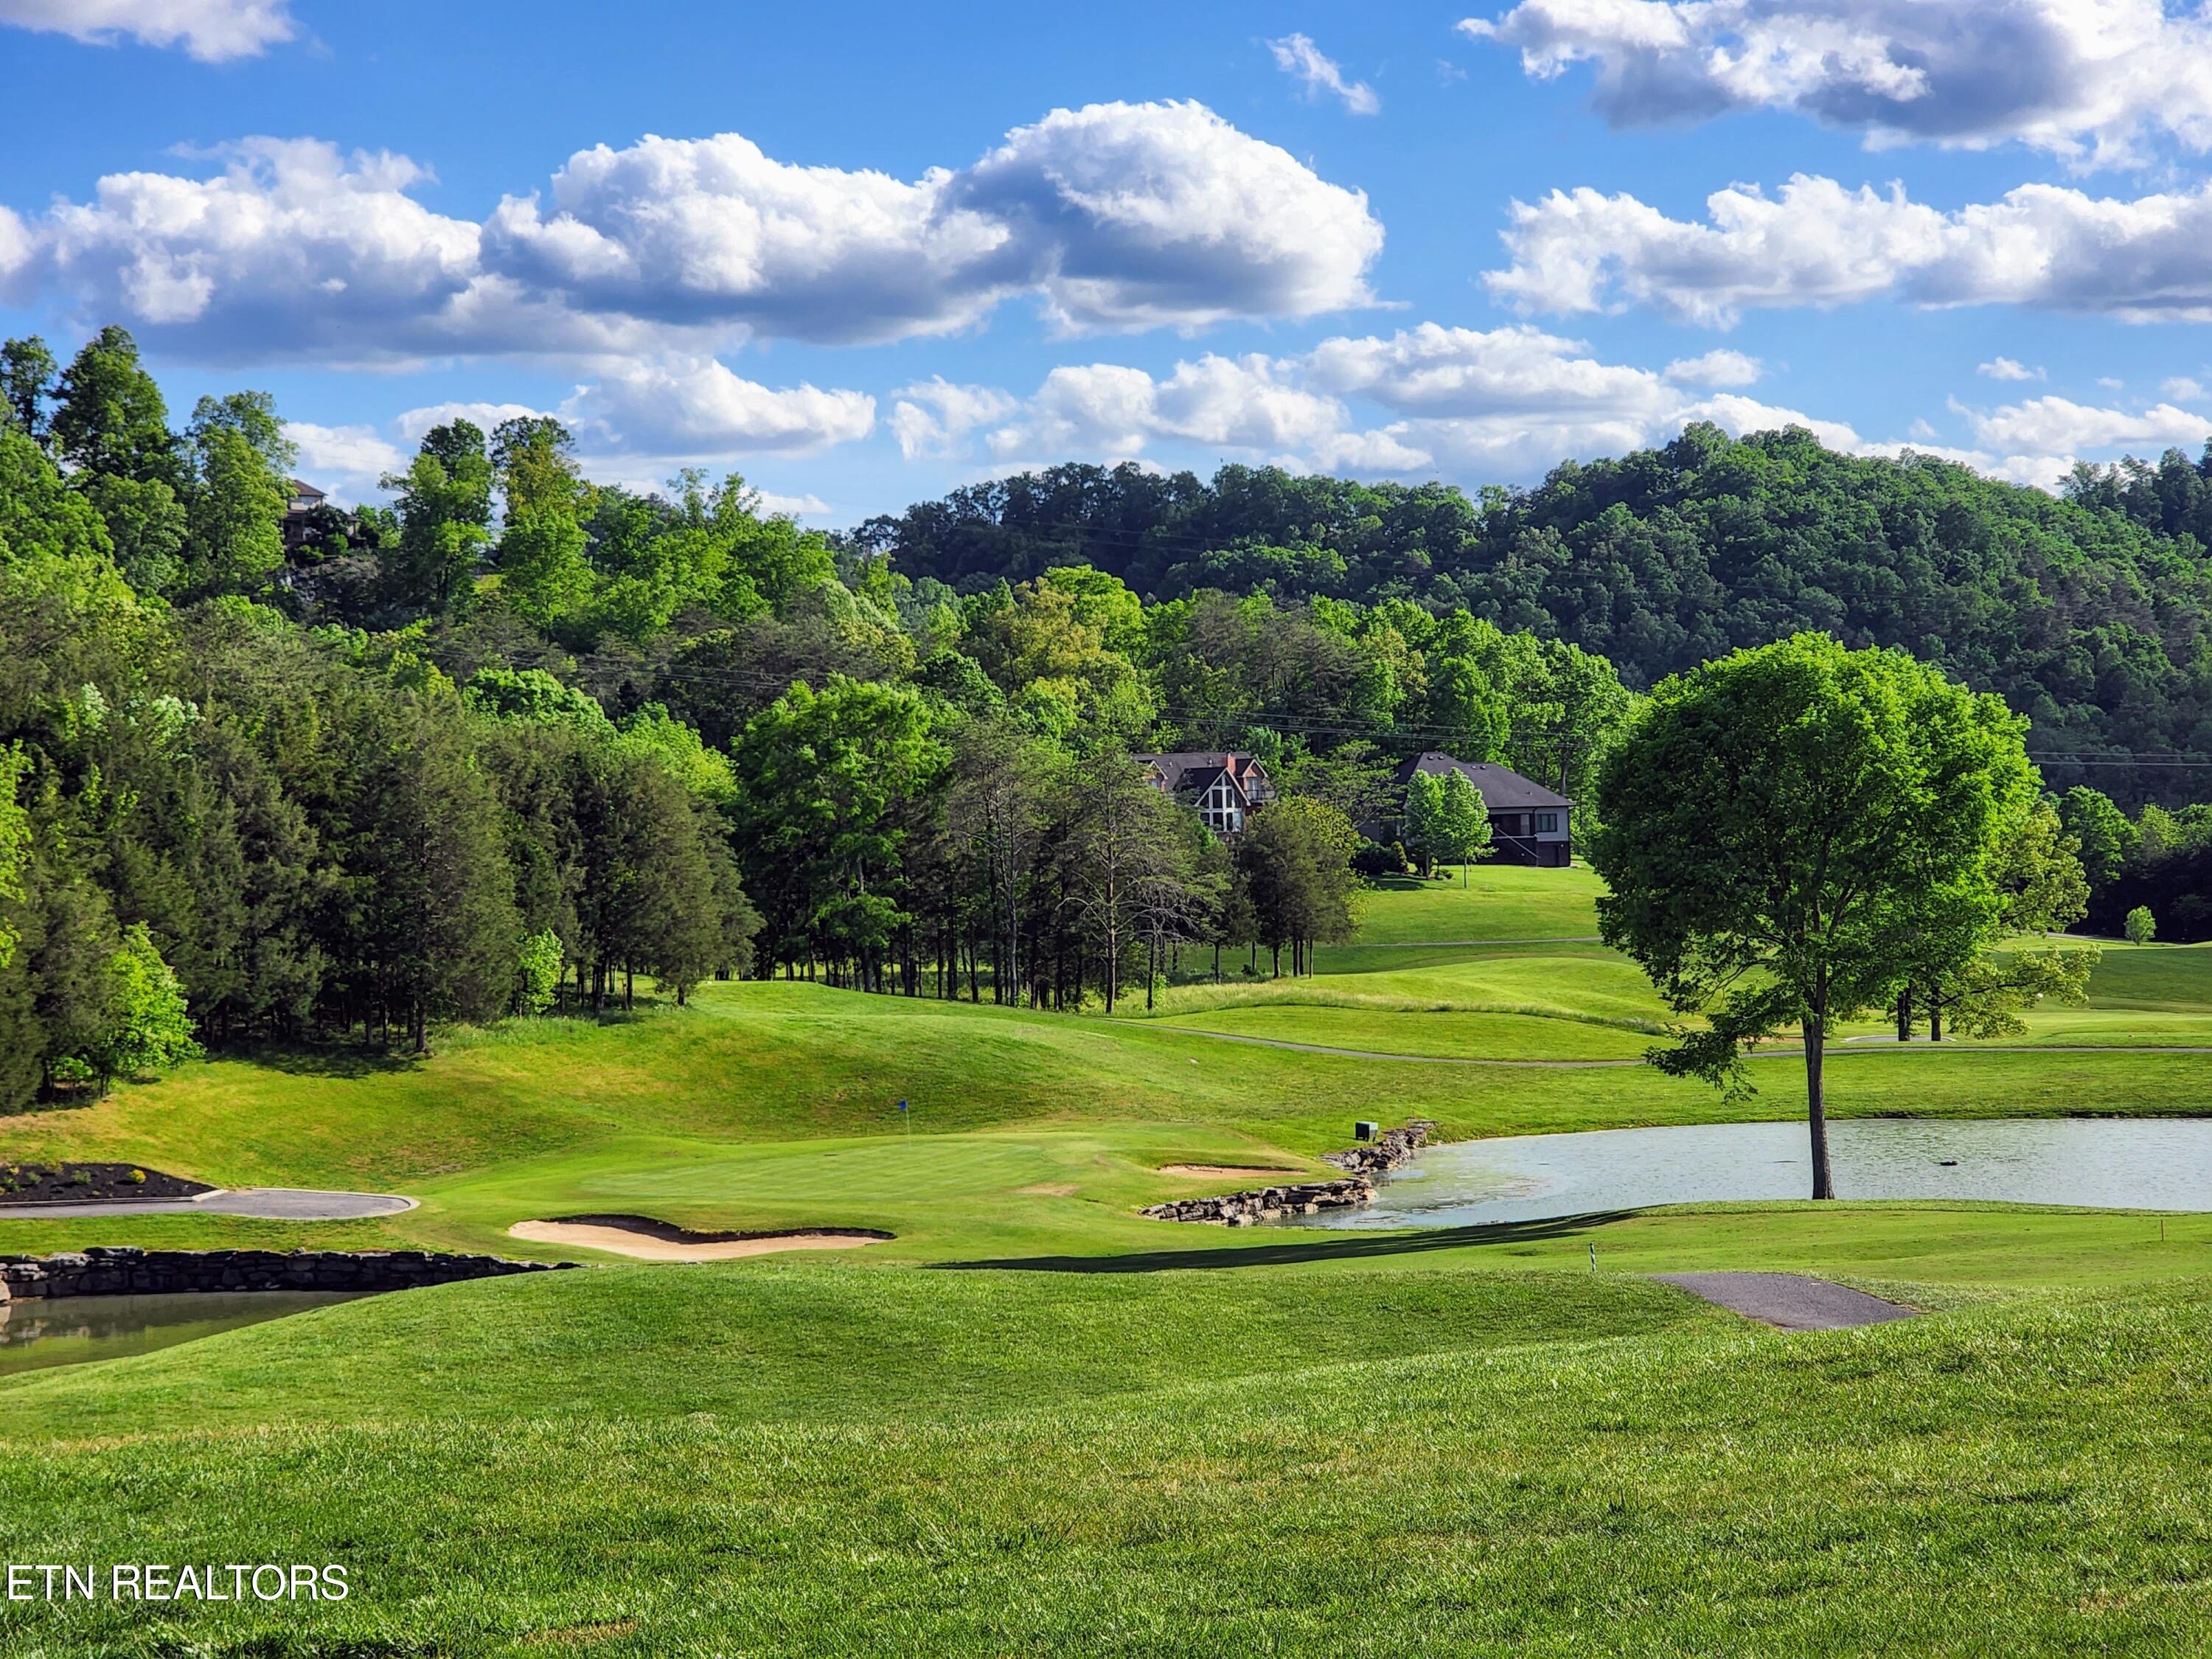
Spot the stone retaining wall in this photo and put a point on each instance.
(124, 1270)
(1362, 1163)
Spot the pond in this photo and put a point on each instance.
(2152, 1163)
(73, 1329)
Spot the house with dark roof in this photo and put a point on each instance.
(1528, 823)
(1223, 789)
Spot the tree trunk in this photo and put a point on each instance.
(1824, 1185)
(1904, 1015)
(1936, 1022)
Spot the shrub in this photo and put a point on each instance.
(2141, 926)
(1374, 859)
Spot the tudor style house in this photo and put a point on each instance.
(1528, 823)
(1223, 789)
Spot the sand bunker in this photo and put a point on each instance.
(1227, 1171)
(646, 1240)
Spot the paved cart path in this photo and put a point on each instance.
(269, 1203)
(1889, 1046)
(1791, 1302)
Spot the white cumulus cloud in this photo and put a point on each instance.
(1816, 242)
(2058, 427)
(699, 407)
(1716, 369)
(211, 30)
(1473, 404)
(1113, 217)
(934, 416)
(1297, 57)
(2090, 80)
(1249, 404)
(345, 461)
(2007, 368)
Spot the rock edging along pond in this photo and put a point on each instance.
(127, 1270)
(1361, 1164)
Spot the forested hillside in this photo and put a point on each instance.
(284, 773)
(519, 736)
(2088, 614)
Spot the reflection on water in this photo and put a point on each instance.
(73, 1329)
(2152, 1163)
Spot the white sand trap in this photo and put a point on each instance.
(1228, 1171)
(645, 1240)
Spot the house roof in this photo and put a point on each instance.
(302, 490)
(1502, 789)
(1188, 770)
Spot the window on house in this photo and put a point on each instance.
(1547, 823)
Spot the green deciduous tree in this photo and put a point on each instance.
(2039, 880)
(2142, 926)
(2102, 831)
(1463, 825)
(1421, 826)
(1788, 829)
(110, 416)
(544, 570)
(235, 504)
(828, 784)
(142, 1025)
(997, 807)
(1131, 858)
(444, 501)
(1296, 857)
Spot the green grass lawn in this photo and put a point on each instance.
(779, 1458)
(1035, 1421)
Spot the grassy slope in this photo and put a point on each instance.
(1179, 1463)
(770, 1105)
(1229, 1442)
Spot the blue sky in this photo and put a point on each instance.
(864, 253)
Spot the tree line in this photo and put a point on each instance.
(521, 739)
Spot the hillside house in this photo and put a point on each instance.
(301, 513)
(1223, 789)
(1528, 823)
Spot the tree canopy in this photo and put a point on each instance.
(1791, 832)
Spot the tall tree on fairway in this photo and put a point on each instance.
(1787, 830)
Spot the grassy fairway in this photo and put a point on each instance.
(825, 1461)
(1038, 1422)
(770, 1105)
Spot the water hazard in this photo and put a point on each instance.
(71, 1330)
(2152, 1163)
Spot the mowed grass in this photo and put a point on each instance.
(1036, 1422)
(824, 1461)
